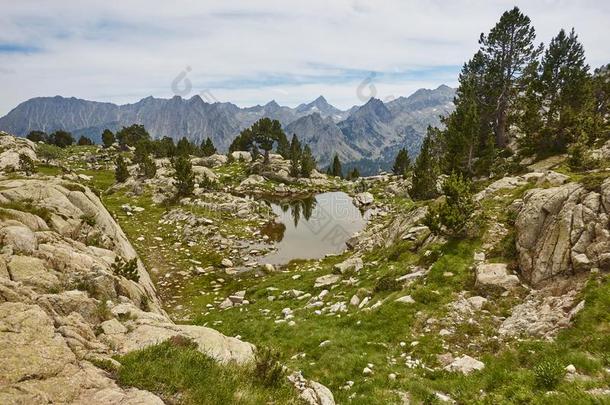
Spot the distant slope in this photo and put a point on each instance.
(372, 132)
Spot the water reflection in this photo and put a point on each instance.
(312, 227)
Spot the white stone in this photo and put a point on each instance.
(465, 365)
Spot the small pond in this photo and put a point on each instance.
(312, 227)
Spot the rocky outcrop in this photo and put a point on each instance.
(64, 308)
(562, 231)
(11, 148)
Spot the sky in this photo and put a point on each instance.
(251, 52)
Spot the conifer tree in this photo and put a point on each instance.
(295, 156)
(207, 147)
(425, 170)
(283, 147)
(107, 138)
(336, 169)
(147, 167)
(295, 147)
(565, 92)
(184, 178)
(508, 50)
(184, 147)
(308, 162)
(121, 173)
(402, 164)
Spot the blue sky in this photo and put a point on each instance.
(250, 52)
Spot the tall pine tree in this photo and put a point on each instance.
(508, 50)
(425, 170)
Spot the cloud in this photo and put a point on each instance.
(251, 52)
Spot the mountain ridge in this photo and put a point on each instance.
(368, 131)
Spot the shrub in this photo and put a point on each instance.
(548, 374)
(453, 215)
(48, 152)
(88, 219)
(127, 269)
(207, 184)
(593, 182)
(267, 369)
(425, 295)
(26, 164)
(387, 283)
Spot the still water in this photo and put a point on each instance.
(312, 227)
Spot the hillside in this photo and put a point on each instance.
(514, 311)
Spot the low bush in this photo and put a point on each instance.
(268, 370)
(548, 374)
(387, 283)
(127, 269)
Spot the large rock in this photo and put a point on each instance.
(38, 366)
(32, 271)
(363, 199)
(10, 149)
(242, 155)
(562, 231)
(353, 263)
(495, 275)
(20, 238)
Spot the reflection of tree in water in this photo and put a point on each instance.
(274, 230)
(300, 207)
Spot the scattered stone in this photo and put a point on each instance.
(353, 263)
(327, 280)
(407, 299)
(226, 263)
(495, 275)
(465, 365)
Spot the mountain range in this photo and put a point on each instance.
(366, 136)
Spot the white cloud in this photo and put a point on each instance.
(251, 52)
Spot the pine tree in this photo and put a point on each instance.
(295, 147)
(147, 167)
(600, 84)
(121, 173)
(402, 164)
(463, 137)
(308, 163)
(184, 178)
(283, 147)
(129, 136)
(84, 141)
(353, 174)
(425, 170)
(336, 169)
(142, 149)
(565, 92)
(184, 147)
(507, 50)
(295, 156)
(108, 138)
(208, 148)
(37, 136)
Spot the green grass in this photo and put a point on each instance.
(180, 374)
